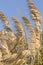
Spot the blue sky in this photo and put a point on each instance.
(13, 7)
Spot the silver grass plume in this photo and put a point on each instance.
(32, 38)
(28, 24)
(21, 36)
(35, 15)
(33, 35)
(18, 26)
(4, 19)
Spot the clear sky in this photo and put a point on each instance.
(11, 7)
